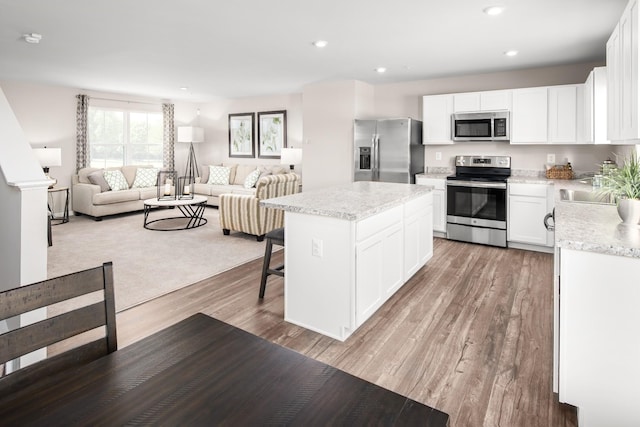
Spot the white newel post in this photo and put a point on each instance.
(23, 216)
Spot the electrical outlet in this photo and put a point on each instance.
(438, 155)
(551, 159)
(316, 247)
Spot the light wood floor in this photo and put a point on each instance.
(470, 334)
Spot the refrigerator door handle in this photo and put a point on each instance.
(376, 159)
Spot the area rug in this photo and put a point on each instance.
(148, 263)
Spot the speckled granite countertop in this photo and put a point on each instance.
(353, 201)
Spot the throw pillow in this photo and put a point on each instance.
(97, 178)
(145, 177)
(251, 179)
(116, 180)
(218, 175)
(264, 172)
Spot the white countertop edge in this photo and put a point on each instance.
(416, 191)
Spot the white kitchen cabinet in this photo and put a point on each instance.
(482, 101)
(439, 202)
(614, 99)
(623, 60)
(598, 345)
(379, 269)
(563, 114)
(595, 107)
(529, 116)
(418, 237)
(463, 102)
(340, 271)
(436, 119)
(528, 205)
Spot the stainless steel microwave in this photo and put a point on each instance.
(480, 126)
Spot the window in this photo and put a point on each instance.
(118, 137)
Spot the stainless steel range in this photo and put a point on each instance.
(477, 200)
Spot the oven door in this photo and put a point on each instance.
(480, 204)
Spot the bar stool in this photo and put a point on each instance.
(274, 237)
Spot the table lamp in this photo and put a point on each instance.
(49, 157)
(291, 157)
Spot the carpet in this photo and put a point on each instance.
(148, 263)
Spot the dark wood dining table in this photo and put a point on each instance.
(202, 371)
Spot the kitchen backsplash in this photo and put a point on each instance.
(526, 159)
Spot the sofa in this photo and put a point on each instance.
(91, 195)
(243, 212)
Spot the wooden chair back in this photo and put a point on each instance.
(24, 340)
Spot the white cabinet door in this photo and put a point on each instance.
(595, 107)
(629, 63)
(379, 270)
(529, 116)
(439, 201)
(614, 77)
(563, 114)
(418, 235)
(623, 51)
(495, 100)
(464, 102)
(527, 209)
(436, 119)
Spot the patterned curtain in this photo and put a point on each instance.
(168, 157)
(82, 146)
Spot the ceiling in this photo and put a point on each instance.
(255, 47)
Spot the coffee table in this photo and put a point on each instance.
(192, 210)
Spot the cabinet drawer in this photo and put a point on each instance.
(531, 190)
(374, 224)
(418, 205)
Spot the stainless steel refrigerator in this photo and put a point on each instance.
(388, 150)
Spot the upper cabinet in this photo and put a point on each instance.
(529, 116)
(436, 119)
(563, 114)
(623, 58)
(595, 107)
(482, 101)
(539, 115)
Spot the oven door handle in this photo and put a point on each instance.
(477, 184)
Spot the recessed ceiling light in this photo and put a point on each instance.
(380, 70)
(493, 10)
(184, 88)
(511, 53)
(320, 43)
(33, 38)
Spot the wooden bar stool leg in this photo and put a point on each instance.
(265, 267)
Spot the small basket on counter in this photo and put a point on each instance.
(560, 172)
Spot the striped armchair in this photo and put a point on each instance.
(241, 212)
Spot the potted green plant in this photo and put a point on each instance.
(623, 184)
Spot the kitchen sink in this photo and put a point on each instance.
(585, 197)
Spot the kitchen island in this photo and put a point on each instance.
(349, 248)
(597, 295)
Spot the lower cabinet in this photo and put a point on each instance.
(439, 201)
(528, 205)
(340, 271)
(596, 337)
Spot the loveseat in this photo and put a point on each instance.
(93, 196)
(243, 212)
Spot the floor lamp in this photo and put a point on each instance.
(191, 135)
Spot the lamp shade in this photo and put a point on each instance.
(48, 156)
(291, 156)
(190, 134)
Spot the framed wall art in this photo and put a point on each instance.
(241, 138)
(272, 133)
